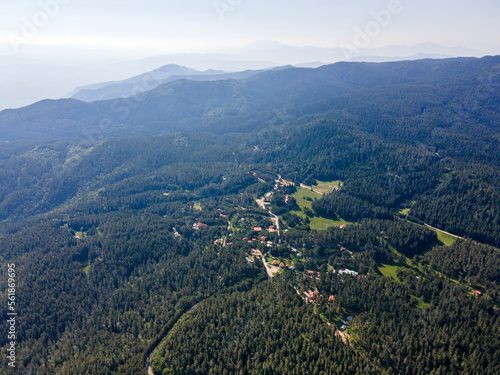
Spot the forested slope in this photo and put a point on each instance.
(118, 236)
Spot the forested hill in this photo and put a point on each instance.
(128, 237)
(241, 105)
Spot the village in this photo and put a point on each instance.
(260, 236)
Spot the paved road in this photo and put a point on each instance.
(269, 270)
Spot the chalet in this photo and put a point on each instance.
(299, 255)
(342, 226)
(245, 239)
(349, 318)
(479, 293)
(263, 238)
(229, 243)
(257, 229)
(282, 264)
(272, 230)
(275, 262)
(331, 299)
(343, 328)
(201, 225)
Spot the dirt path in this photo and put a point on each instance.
(258, 178)
(148, 363)
(442, 231)
(310, 188)
(343, 336)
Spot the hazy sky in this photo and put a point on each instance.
(159, 26)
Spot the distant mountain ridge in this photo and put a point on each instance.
(237, 104)
(148, 81)
(142, 82)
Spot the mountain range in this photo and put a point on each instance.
(54, 77)
(226, 105)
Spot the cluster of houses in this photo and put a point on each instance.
(271, 229)
(316, 297)
(277, 263)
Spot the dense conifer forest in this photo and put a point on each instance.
(148, 239)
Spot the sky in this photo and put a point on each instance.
(149, 27)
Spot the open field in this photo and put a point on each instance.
(317, 222)
(445, 238)
(390, 271)
(325, 187)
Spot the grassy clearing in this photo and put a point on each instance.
(325, 187)
(81, 234)
(404, 211)
(87, 270)
(301, 195)
(197, 206)
(445, 238)
(321, 223)
(317, 222)
(390, 271)
(421, 304)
